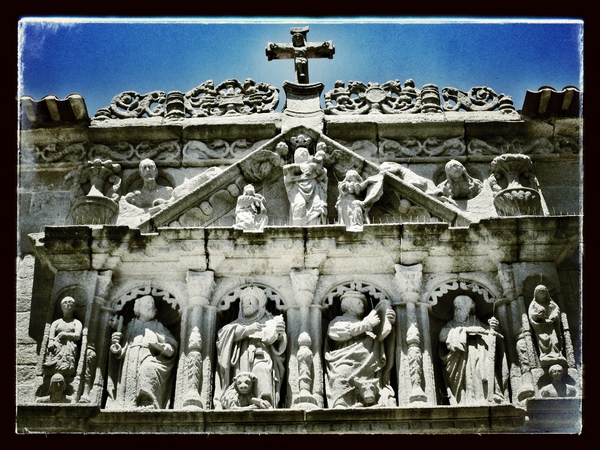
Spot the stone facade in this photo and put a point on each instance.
(447, 194)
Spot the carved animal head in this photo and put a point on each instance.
(367, 390)
(244, 383)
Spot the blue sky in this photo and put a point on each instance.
(100, 58)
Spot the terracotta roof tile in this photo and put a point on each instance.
(547, 101)
(52, 111)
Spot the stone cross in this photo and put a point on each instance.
(300, 50)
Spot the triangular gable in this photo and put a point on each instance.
(208, 203)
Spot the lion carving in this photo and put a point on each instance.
(241, 394)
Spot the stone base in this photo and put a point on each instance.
(39, 419)
(302, 106)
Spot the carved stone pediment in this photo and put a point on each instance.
(405, 198)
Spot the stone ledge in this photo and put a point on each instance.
(71, 418)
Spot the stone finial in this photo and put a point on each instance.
(515, 187)
(101, 182)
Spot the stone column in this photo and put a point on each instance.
(518, 337)
(412, 340)
(194, 375)
(304, 364)
(95, 351)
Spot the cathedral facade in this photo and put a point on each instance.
(376, 258)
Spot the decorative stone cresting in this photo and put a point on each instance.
(480, 98)
(392, 97)
(231, 97)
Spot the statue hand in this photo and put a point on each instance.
(390, 315)
(372, 319)
(116, 337)
(493, 323)
(253, 328)
(167, 350)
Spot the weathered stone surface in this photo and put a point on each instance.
(412, 247)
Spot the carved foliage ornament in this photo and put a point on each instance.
(229, 97)
(394, 98)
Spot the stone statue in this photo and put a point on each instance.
(151, 193)
(544, 317)
(412, 213)
(459, 184)
(255, 342)
(147, 357)
(355, 198)
(57, 389)
(242, 393)
(475, 368)
(250, 211)
(62, 351)
(306, 184)
(557, 388)
(356, 355)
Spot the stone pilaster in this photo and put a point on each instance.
(304, 366)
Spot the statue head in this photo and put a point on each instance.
(354, 302)
(67, 304)
(464, 306)
(454, 170)
(57, 384)
(556, 372)
(145, 308)
(301, 155)
(353, 175)
(252, 300)
(249, 190)
(541, 294)
(148, 170)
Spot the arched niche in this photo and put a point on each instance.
(80, 295)
(441, 311)
(332, 308)
(168, 312)
(228, 310)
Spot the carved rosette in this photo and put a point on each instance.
(515, 186)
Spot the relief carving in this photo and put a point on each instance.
(356, 196)
(357, 357)
(306, 185)
(479, 98)
(475, 366)
(146, 354)
(255, 342)
(515, 187)
(250, 211)
(101, 182)
(62, 353)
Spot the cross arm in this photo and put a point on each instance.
(320, 50)
(279, 51)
